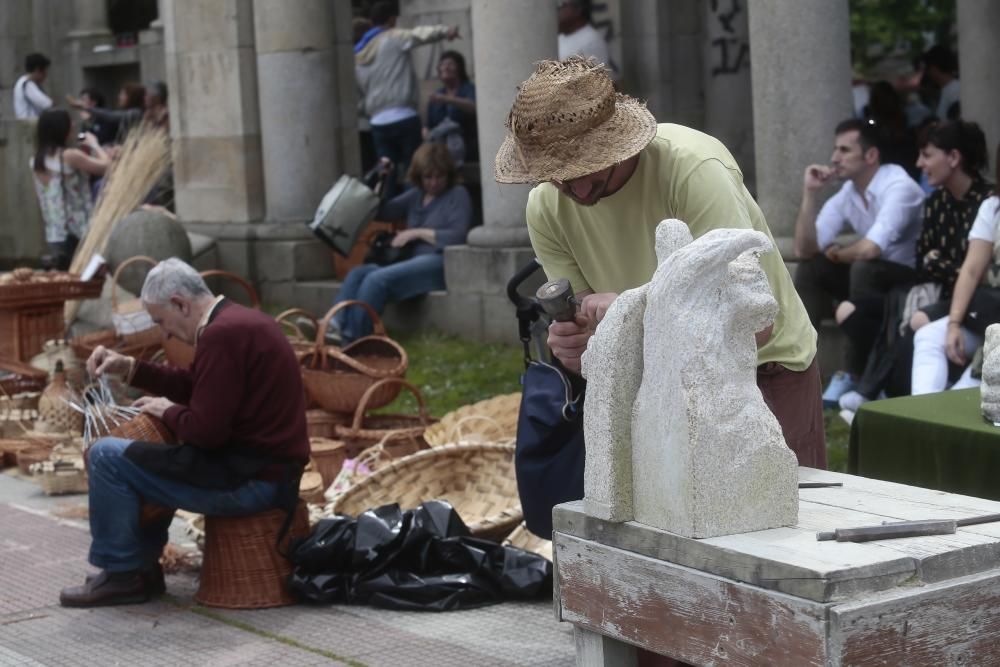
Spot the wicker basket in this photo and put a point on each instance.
(328, 456)
(522, 538)
(336, 379)
(10, 448)
(62, 480)
(298, 339)
(242, 568)
(486, 421)
(365, 430)
(30, 289)
(141, 427)
(141, 344)
(181, 354)
(311, 488)
(17, 377)
(478, 480)
(28, 456)
(23, 331)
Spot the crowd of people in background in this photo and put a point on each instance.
(72, 154)
(916, 290)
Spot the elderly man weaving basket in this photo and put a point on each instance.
(239, 410)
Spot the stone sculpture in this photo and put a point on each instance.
(672, 395)
(990, 388)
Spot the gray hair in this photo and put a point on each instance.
(173, 277)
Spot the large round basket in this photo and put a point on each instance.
(478, 480)
(300, 341)
(336, 379)
(402, 434)
(492, 420)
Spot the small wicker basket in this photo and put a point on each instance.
(323, 424)
(522, 538)
(478, 480)
(336, 379)
(406, 431)
(328, 456)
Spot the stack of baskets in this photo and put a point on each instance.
(31, 308)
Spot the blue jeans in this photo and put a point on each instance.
(117, 489)
(378, 285)
(397, 141)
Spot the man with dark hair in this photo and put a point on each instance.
(879, 202)
(941, 68)
(578, 37)
(29, 98)
(388, 83)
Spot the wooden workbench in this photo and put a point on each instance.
(780, 597)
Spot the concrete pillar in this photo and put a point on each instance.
(157, 23)
(726, 76)
(506, 46)
(978, 43)
(801, 72)
(307, 97)
(91, 19)
(212, 76)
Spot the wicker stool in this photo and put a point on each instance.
(241, 568)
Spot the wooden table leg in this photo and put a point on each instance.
(596, 650)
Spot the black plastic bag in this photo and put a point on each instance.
(420, 559)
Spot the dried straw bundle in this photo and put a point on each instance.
(144, 159)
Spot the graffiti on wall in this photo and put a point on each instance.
(730, 46)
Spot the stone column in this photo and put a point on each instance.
(91, 19)
(978, 43)
(307, 98)
(726, 74)
(215, 126)
(506, 45)
(801, 72)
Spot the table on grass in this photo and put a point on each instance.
(937, 441)
(779, 597)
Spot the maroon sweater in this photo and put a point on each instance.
(244, 389)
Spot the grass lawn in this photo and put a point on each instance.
(451, 372)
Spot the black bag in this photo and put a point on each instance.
(383, 253)
(549, 454)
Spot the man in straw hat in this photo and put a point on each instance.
(607, 175)
(239, 409)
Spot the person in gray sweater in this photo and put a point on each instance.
(387, 83)
(438, 213)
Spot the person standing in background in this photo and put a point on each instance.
(29, 98)
(578, 36)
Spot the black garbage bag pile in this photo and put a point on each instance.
(419, 559)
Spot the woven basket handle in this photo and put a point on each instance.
(359, 412)
(114, 278)
(456, 432)
(251, 292)
(378, 329)
(282, 319)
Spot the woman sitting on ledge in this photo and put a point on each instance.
(438, 213)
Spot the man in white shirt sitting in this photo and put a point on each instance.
(578, 37)
(29, 98)
(880, 203)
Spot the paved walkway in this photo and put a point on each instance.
(41, 552)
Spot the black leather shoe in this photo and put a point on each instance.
(105, 589)
(152, 577)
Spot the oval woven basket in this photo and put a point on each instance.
(336, 379)
(478, 480)
(181, 354)
(404, 432)
(486, 421)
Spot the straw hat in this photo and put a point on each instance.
(567, 121)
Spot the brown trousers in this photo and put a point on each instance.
(796, 399)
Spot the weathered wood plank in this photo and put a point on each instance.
(950, 623)
(784, 559)
(673, 610)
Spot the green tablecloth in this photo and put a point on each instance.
(936, 441)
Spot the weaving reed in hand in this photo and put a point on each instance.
(104, 417)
